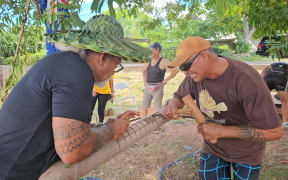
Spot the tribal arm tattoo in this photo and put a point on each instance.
(251, 133)
(70, 136)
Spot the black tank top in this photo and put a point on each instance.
(278, 69)
(154, 73)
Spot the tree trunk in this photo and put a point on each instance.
(247, 33)
(22, 30)
(38, 10)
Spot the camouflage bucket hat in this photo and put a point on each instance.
(103, 34)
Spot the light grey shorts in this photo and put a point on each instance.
(156, 95)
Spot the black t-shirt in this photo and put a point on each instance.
(60, 85)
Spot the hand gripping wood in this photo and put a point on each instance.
(195, 112)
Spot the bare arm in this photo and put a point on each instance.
(212, 130)
(170, 111)
(75, 140)
(144, 72)
(176, 102)
(173, 71)
(284, 107)
(111, 83)
(94, 93)
(258, 134)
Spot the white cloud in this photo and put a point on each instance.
(162, 3)
(159, 4)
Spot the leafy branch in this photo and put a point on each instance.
(16, 70)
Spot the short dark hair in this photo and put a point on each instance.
(88, 52)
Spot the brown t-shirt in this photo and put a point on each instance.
(239, 97)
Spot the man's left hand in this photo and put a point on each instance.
(211, 131)
(127, 115)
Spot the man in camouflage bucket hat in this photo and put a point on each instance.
(47, 114)
(103, 34)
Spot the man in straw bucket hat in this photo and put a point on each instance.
(237, 105)
(47, 114)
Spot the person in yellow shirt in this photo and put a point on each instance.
(103, 95)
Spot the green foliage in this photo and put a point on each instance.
(169, 37)
(16, 70)
(8, 43)
(229, 23)
(278, 49)
(169, 53)
(32, 41)
(67, 15)
(16, 73)
(131, 7)
(269, 17)
(242, 47)
(28, 59)
(221, 49)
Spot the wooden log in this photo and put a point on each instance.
(138, 130)
(196, 113)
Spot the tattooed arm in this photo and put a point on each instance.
(75, 140)
(258, 134)
(212, 130)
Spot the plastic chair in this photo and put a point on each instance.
(120, 89)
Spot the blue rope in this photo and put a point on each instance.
(175, 162)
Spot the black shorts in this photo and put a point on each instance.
(275, 82)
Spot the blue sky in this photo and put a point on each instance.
(85, 13)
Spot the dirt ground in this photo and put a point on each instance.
(145, 159)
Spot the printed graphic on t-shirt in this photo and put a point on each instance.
(208, 105)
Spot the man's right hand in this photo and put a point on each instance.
(117, 127)
(170, 111)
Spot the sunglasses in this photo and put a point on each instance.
(118, 68)
(186, 66)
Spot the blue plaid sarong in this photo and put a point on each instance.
(214, 168)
